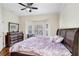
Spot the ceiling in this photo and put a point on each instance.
(43, 8)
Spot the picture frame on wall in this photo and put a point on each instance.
(13, 27)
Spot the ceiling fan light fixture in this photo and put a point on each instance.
(28, 9)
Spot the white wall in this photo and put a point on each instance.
(6, 16)
(1, 30)
(52, 18)
(69, 18)
(9, 17)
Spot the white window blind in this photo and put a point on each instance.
(38, 28)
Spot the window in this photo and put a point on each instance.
(30, 29)
(39, 28)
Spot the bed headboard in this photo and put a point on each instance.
(71, 39)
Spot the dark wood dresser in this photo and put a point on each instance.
(13, 37)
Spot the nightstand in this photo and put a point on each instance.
(5, 52)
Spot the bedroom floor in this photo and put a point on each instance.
(5, 52)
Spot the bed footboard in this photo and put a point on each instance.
(19, 54)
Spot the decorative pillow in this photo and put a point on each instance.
(56, 39)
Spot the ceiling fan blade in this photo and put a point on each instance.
(22, 4)
(34, 7)
(29, 4)
(23, 8)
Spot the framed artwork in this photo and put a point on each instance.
(13, 27)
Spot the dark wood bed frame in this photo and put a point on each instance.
(71, 41)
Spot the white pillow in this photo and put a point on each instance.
(56, 39)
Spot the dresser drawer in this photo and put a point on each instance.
(12, 38)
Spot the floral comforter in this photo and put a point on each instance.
(41, 46)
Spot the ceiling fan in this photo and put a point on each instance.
(28, 6)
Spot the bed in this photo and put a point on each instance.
(70, 44)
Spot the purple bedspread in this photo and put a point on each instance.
(42, 46)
